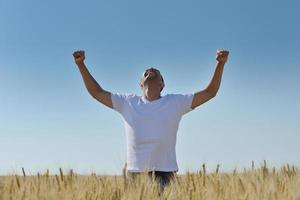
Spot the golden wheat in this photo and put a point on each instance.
(257, 183)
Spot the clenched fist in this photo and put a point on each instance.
(79, 57)
(222, 55)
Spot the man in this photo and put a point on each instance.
(151, 120)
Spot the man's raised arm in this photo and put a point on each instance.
(91, 84)
(211, 90)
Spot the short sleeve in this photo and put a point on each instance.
(184, 102)
(118, 101)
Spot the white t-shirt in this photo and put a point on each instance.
(151, 129)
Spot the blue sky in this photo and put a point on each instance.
(48, 119)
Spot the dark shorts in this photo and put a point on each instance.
(163, 178)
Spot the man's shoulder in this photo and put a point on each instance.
(125, 96)
(171, 96)
(179, 96)
(131, 95)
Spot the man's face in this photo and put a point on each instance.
(152, 79)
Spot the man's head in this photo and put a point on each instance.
(152, 81)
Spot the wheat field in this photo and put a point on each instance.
(254, 183)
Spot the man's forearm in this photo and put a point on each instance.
(91, 84)
(215, 82)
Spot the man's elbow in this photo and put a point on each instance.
(212, 93)
(92, 93)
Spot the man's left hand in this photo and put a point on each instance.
(222, 55)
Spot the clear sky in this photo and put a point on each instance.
(48, 119)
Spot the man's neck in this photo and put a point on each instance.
(151, 97)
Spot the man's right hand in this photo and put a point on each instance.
(79, 57)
